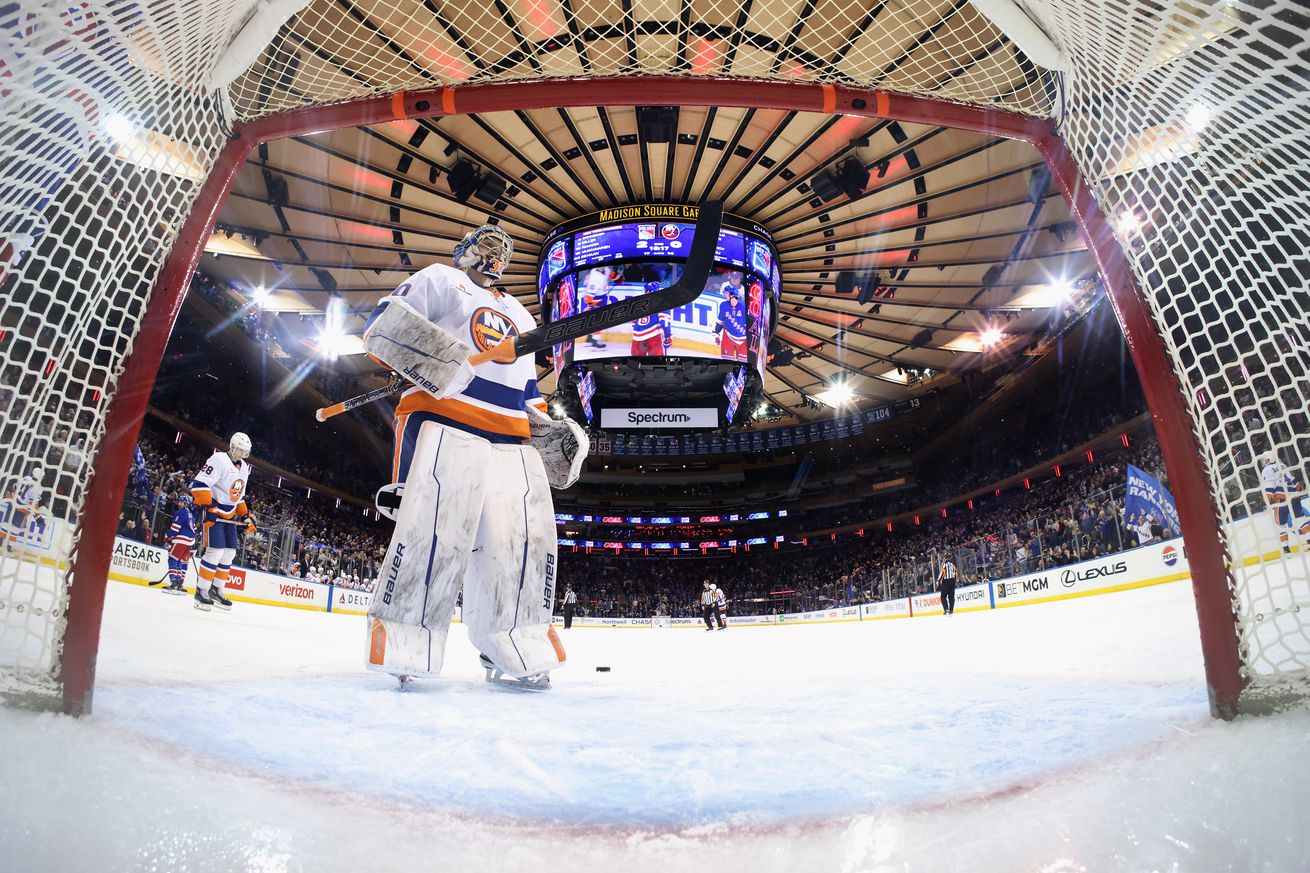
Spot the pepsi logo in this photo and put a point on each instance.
(489, 328)
(1169, 556)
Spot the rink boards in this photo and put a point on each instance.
(1154, 564)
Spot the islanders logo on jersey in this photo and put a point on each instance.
(490, 328)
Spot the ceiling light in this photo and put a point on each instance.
(1127, 223)
(1064, 290)
(119, 128)
(1198, 116)
(259, 295)
(990, 337)
(838, 394)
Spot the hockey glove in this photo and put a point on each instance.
(562, 444)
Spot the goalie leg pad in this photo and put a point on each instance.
(428, 556)
(432, 358)
(511, 580)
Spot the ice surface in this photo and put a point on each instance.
(1062, 737)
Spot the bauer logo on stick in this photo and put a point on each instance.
(490, 328)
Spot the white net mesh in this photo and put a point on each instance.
(1188, 120)
(1191, 121)
(105, 139)
(334, 50)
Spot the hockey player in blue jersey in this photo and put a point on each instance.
(181, 542)
(651, 334)
(730, 329)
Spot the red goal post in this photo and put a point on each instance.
(1202, 536)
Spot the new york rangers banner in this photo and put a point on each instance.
(1147, 498)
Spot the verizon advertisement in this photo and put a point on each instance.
(625, 419)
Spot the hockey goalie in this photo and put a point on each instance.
(475, 458)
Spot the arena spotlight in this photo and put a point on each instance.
(259, 295)
(838, 394)
(1127, 223)
(1064, 290)
(990, 337)
(120, 128)
(1198, 116)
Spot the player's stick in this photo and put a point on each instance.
(700, 261)
(355, 402)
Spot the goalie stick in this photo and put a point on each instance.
(696, 273)
(386, 390)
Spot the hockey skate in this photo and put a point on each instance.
(537, 682)
(203, 602)
(219, 599)
(173, 588)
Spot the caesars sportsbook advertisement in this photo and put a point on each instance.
(616, 254)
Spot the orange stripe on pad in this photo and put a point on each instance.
(398, 105)
(554, 641)
(377, 648)
(448, 101)
(882, 104)
(829, 98)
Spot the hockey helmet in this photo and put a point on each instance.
(487, 251)
(1267, 459)
(239, 446)
(38, 473)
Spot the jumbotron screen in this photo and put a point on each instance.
(621, 253)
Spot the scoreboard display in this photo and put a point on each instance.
(616, 254)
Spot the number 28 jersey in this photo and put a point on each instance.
(224, 481)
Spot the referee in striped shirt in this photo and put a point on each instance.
(946, 584)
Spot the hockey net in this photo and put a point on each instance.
(1186, 122)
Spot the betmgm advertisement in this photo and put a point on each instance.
(585, 267)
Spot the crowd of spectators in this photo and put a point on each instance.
(1060, 520)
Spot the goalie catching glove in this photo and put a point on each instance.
(562, 444)
(425, 354)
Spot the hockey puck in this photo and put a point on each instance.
(602, 669)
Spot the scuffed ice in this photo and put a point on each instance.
(1068, 737)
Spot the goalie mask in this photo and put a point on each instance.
(487, 251)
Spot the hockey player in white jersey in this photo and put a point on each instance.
(470, 443)
(1285, 495)
(219, 493)
(25, 502)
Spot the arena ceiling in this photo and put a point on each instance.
(965, 231)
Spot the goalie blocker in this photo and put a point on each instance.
(476, 514)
